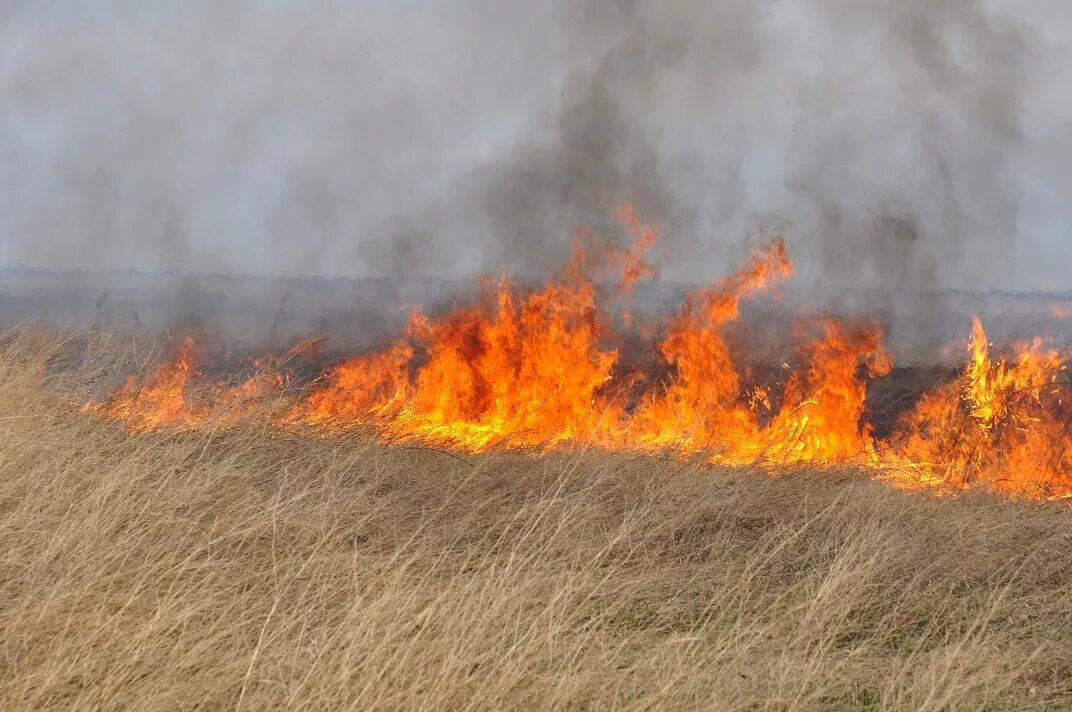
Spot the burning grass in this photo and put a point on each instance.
(241, 565)
(539, 499)
(546, 368)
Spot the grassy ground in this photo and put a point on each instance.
(245, 569)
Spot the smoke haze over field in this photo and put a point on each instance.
(913, 144)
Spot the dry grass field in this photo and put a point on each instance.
(243, 568)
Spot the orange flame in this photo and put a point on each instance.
(1003, 425)
(822, 417)
(161, 400)
(700, 408)
(170, 397)
(1061, 310)
(543, 368)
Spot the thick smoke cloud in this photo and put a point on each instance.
(907, 145)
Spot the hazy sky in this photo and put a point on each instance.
(896, 143)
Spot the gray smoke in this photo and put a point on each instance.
(914, 144)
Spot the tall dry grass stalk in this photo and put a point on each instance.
(248, 569)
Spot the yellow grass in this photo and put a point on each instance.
(246, 569)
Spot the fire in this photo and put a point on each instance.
(171, 397)
(546, 367)
(162, 399)
(1061, 310)
(1004, 424)
(700, 408)
(822, 420)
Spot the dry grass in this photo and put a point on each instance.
(244, 569)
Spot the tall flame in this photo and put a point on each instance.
(1002, 424)
(700, 409)
(822, 419)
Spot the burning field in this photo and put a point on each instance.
(235, 546)
(568, 365)
(544, 496)
(568, 355)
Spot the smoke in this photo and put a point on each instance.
(899, 145)
(936, 193)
